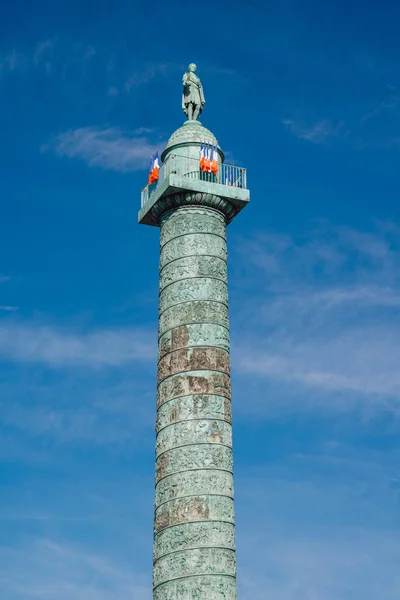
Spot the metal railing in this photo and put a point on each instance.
(229, 175)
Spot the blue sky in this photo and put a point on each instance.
(306, 95)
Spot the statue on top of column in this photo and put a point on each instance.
(192, 95)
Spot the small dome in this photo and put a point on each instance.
(191, 132)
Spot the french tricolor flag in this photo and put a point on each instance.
(154, 168)
(207, 158)
(214, 160)
(202, 156)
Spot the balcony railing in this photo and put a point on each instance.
(229, 175)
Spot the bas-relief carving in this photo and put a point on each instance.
(193, 266)
(196, 334)
(198, 382)
(198, 406)
(193, 359)
(194, 482)
(193, 289)
(190, 406)
(194, 508)
(193, 244)
(197, 311)
(205, 587)
(191, 220)
(199, 561)
(194, 432)
(194, 535)
(206, 456)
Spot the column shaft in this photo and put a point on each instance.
(194, 544)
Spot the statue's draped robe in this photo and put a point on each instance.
(192, 91)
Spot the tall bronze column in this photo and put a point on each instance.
(194, 542)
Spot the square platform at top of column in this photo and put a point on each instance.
(238, 197)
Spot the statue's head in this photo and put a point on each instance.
(192, 67)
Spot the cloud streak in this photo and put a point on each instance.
(317, 133)
(106, 148)
(141, 77)
(359, 565)
(328, 315)
(390, 103)
(331, 523)
(12, 61)
(35, 343)
(50, 570)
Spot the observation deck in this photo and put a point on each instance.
(181, 173)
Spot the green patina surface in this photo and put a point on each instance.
(194, 535)
(194, 435)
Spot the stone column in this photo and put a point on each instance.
(194, 544)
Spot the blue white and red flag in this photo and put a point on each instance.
(207, 158)
(214, 160)
(154, 168)
(202, 156)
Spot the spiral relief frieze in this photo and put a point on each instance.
(205, 587)
(194, 508)
(193, 359)
(196, 431)
(193, 244)
(199, 288)
(203, 534)
(190, 267)
(197, 311)
(194, 511)
(195, 382)
(195, 334)
(194, 482)
(191, 220)
(185, 458)
(193, 406)
(198, 561)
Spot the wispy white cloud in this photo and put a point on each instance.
(330, 521)
(50, 54)
(106, 148)
(34, 343)
(351, 564)
(76, 409)
(359, 361)
(7, 307)
(391, 103)
(12, 61)
(41, 49)
(89, 53)
(50, 570)
(74, 61)
(73, 394)
(44, 56)
(317, 133)
(143, 76)
(328, 316)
